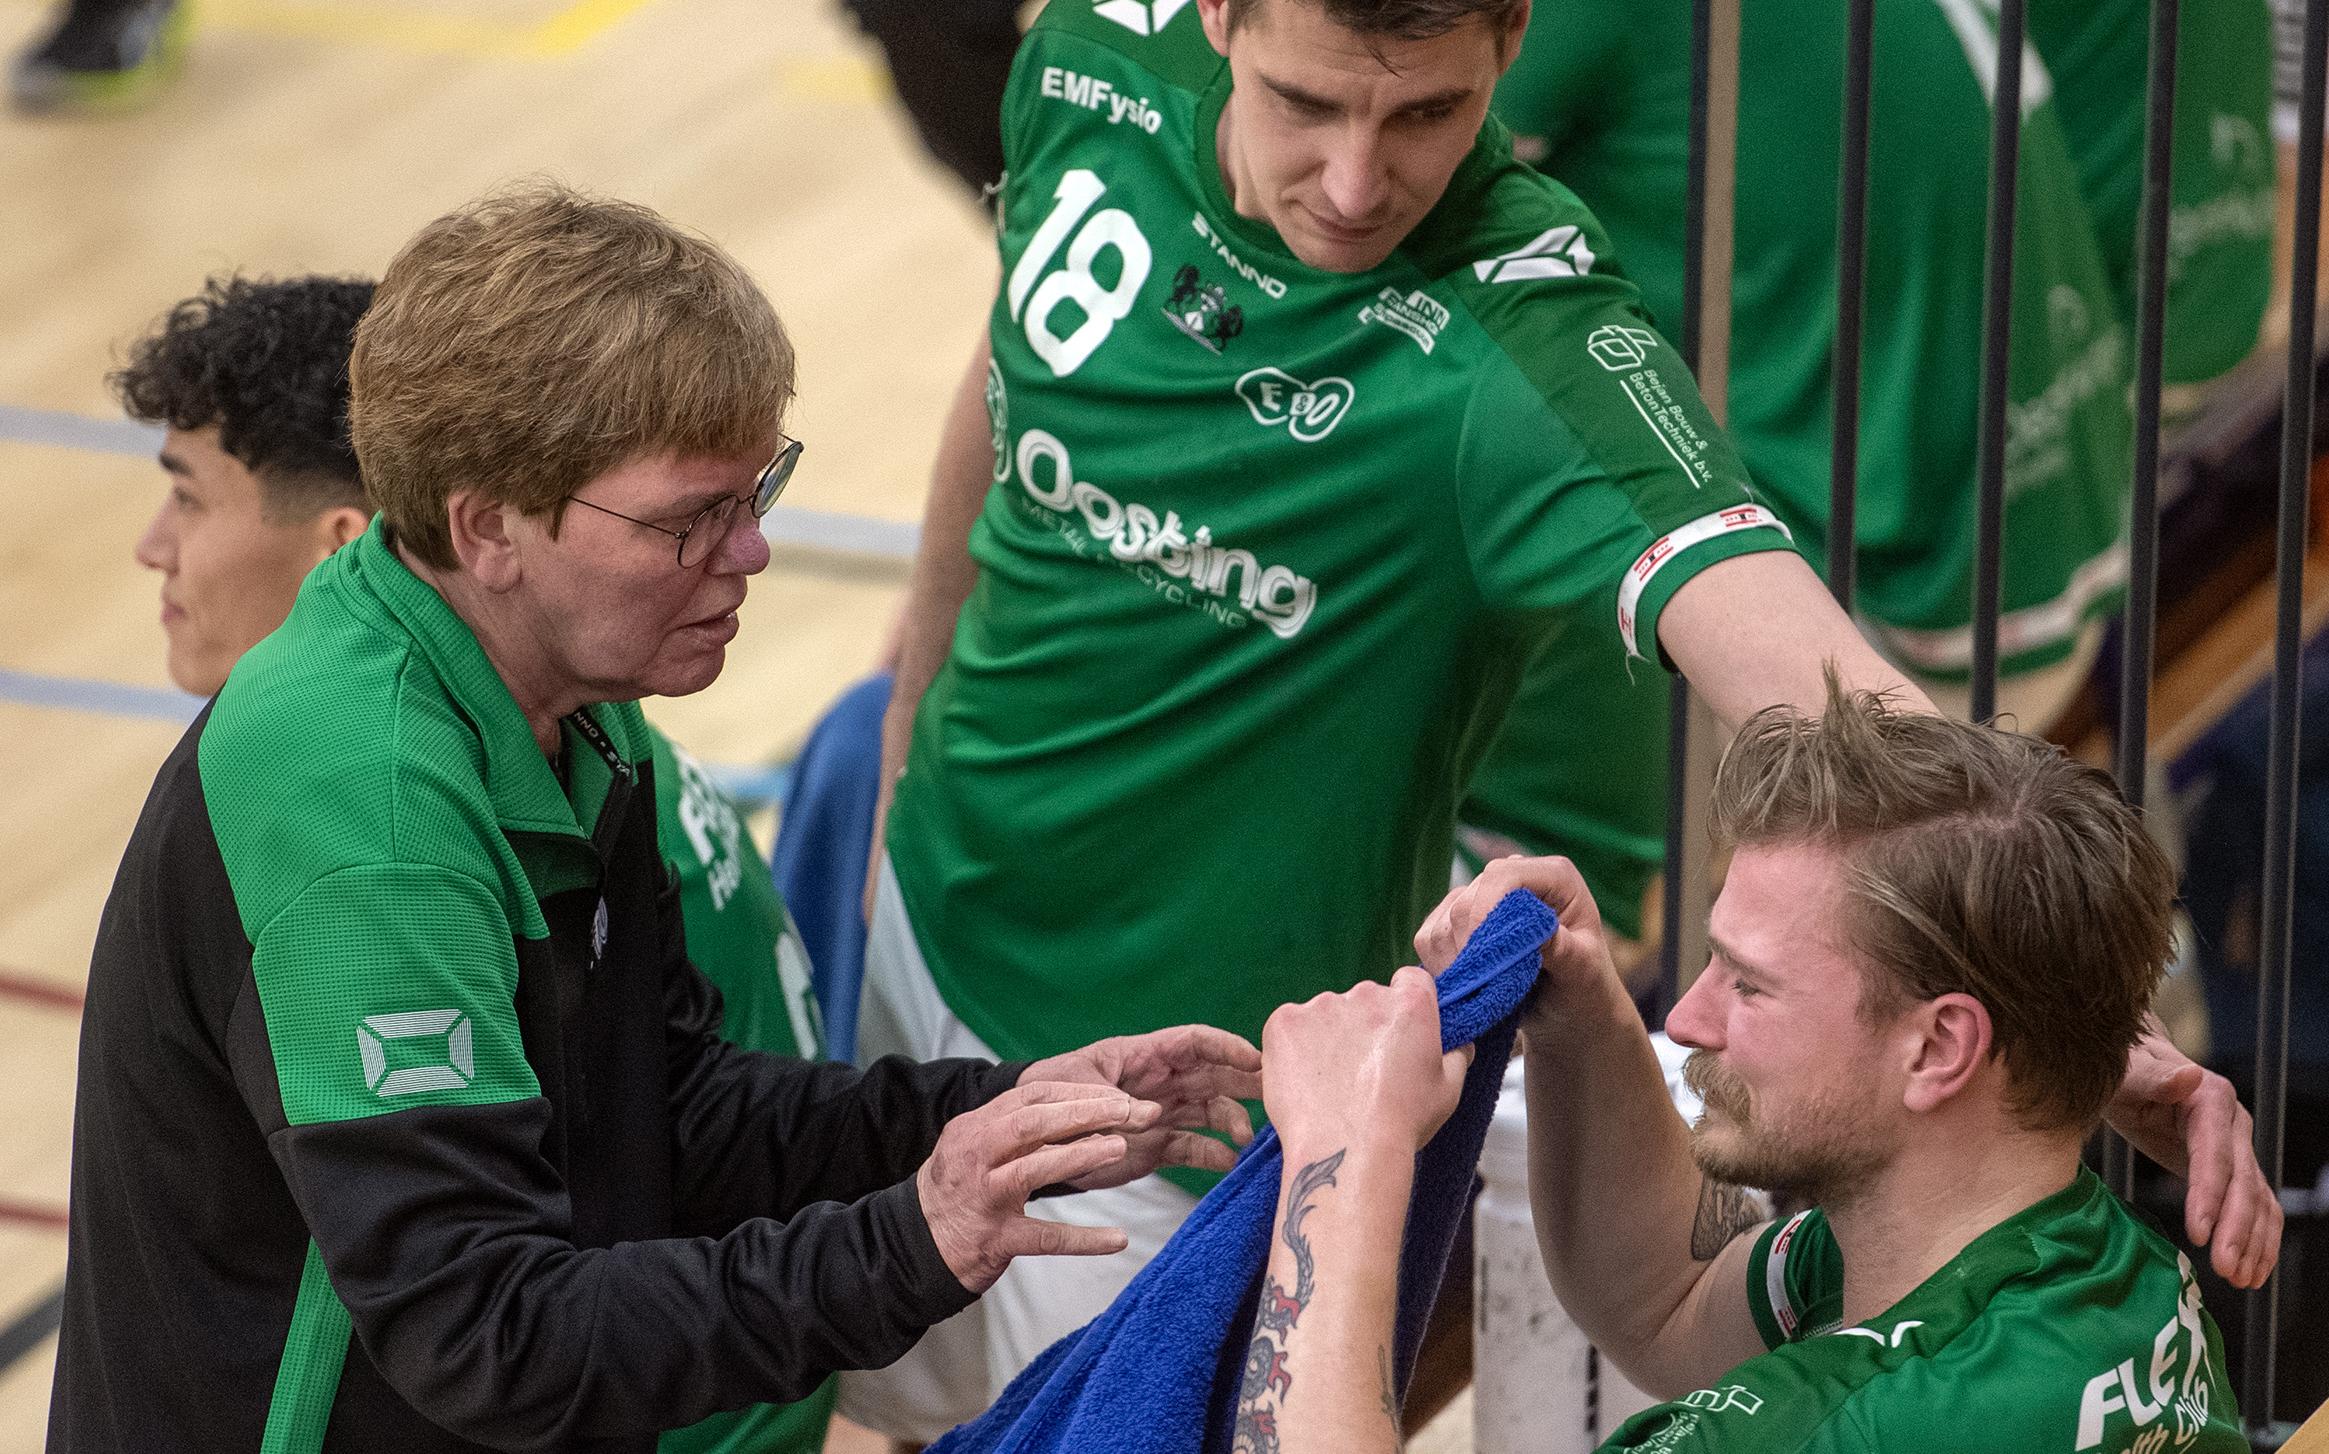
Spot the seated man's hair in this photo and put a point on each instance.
(529, 342)
(1975, 861)
(266, 361)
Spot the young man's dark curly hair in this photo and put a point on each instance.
(266, 361)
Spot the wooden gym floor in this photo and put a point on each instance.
(315, 135)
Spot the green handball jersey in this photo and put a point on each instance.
(1600, 99)
(1265, 553)
(2220, 220)
(2069, 1327)
(740, 935)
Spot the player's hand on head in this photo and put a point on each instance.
(975, 1185)
(1577, 953)
(1361, 1066)
(2189, 1120)
(1196, 1074)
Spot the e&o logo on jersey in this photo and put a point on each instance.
(1309, 411)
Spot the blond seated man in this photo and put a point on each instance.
(1934, 950)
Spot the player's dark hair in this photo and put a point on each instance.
(266, 361)
(1975, 861)
(1402, 19)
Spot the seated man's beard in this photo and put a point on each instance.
(1813, 1153)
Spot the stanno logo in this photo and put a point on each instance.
(1272, 286)
(1558, 252)
(1418, 315)
(457, 1069)
(1309, 411)
(1141, 17)
(1202, 310)
(1618, 348)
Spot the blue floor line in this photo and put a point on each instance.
(754, 784)
(108, 699)
(785, 525)
(78, 431)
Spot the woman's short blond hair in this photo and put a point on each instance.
(531, 341)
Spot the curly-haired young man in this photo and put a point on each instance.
(250, 376)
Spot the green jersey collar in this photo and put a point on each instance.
(519, 781)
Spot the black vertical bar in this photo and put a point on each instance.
(1851, 287)
(1996, 339)
(2134, 748)
(1678, 692)
(2296, 459)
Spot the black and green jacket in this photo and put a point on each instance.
(403, 1123)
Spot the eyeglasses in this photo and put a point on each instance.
(701, 535)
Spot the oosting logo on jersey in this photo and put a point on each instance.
(1557, 252)
(1202, 310)
(1309, 411)
(1141, 17)
(1183, 565)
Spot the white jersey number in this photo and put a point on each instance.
(1101, 304)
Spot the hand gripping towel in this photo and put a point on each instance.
(1159, 1371)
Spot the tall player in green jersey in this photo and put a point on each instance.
(1306, 418)
(1933, 950)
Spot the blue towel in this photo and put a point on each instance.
(1159, 1371)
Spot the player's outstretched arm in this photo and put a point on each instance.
(942, 579)
(1755, 631)
(1647, 1255)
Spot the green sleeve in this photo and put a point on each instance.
(1795, 1278)
(1590, 472)
(372, 1005)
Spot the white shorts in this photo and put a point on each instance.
(961, 1365)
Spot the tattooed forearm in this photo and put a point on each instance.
(1267, 1378)
(1724, 1211)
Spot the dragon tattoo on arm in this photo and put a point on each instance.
(1268, 1378)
